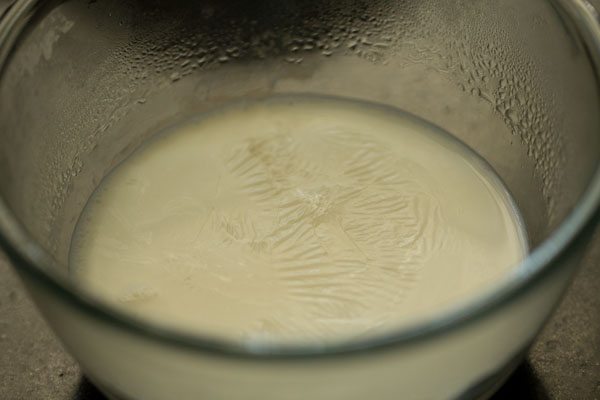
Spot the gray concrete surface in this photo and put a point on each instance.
(563, 364)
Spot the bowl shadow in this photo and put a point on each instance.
(87, 391)
(522, 384)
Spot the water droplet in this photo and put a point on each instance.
(512, 115)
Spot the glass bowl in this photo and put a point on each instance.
(83, 83)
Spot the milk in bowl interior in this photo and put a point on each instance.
(300, 199)
(297, 218)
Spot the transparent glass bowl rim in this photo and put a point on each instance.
(29, 257)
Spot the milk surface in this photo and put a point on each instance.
(297, 219)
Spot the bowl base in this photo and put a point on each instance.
(482, 390)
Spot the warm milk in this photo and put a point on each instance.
(297, 218)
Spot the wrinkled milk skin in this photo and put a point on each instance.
(296, 219)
